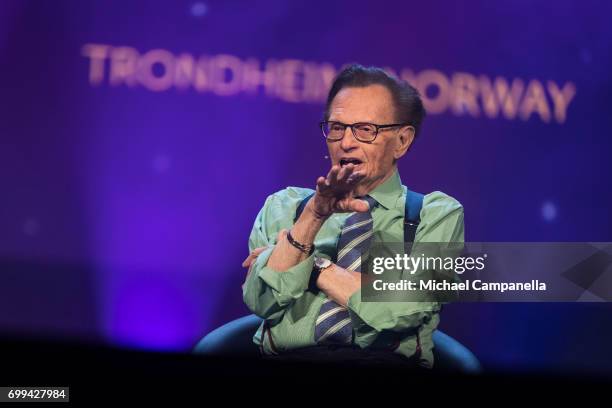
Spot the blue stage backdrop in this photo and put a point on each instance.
(139, 140)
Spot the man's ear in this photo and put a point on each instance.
(406, 137)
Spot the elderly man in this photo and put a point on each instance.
(304, 278)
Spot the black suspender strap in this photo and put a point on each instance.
(412, 217)
(300, 207)
(412, 214)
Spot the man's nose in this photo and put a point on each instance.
(348, 141)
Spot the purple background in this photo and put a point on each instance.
(125, 213)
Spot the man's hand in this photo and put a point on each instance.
(248, 262)
(252, 257)
(338, 283)
(335, 193)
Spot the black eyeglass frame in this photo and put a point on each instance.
(377, 127)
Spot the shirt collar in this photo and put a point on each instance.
(388, 192)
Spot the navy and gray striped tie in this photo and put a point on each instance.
(333, 324)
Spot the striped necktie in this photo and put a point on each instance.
(333, 324)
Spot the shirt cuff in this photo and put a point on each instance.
(289, 285)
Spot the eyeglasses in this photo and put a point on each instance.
(364, 132)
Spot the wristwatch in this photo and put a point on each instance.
(319, 265)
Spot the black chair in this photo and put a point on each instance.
(236, 337)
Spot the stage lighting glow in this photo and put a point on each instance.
(199, 9)
(31, 227)
(549, 211)
(161, 163)
(585, 55)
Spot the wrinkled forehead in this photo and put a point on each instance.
(372, 103)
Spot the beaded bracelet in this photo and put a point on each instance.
(307, 249)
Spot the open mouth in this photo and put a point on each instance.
(355, 162)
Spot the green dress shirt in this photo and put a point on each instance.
(290, 309)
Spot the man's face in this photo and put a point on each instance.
(372, 104)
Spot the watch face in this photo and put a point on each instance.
(322, 263)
